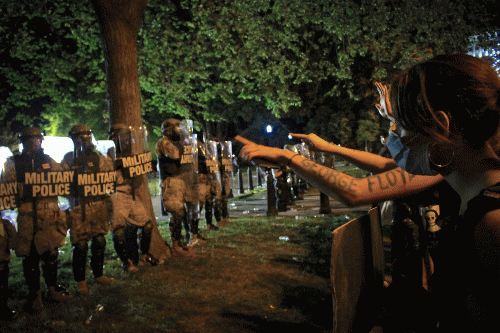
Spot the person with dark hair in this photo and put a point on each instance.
(91, 209)
(447, 113)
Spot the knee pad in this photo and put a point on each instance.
(99, 241)
(80, 246)
(119, 235)
(148, 228)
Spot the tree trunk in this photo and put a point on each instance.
(120, 21)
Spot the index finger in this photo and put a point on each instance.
(242, 140)
(299, 136)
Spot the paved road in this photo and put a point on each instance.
(252, 204)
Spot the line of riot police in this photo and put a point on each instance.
(100, 189)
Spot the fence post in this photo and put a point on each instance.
(240, 181)
(271, 194)
(250, 180)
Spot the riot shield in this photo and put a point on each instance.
(133, 154)
(303, 150)
(214, 166)
(8, 185)
(188, 144)
(226, 157)
(95, 175)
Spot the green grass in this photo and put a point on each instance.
(255, 275)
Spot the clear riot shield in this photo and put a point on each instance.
(106, 148)
(133, 154)
(189, 165)
(214, 166)
(40, 176)
(303, 150)
(95, 173)
(226, 157)
(8, 187)
(292, 148)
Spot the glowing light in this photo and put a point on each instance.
(269, 128)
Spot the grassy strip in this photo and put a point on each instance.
(255, 275)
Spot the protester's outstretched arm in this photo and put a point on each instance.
(362, 159)
(349, 190)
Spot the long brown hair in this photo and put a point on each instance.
(466, 88)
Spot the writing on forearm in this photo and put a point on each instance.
(388, 179)
(334, 178)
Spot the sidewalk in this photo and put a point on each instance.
(251, 204)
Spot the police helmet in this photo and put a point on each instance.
(168, 125)
(30, 132)
(117, 129)
(79, 130)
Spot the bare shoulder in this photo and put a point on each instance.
(490, 223)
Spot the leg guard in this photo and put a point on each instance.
(31, 270)
(5, 312)
(224, 210)
(146, 233)
(97, 258)
(208, 211)
(80, 250)
(194, 226)
(119, 244)
(49, 267)
(131, 244)
(176, 222)
(217, 210)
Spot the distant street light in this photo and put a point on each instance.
(269, 128)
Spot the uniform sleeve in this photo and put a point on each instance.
(10, 232)
(9, 172)
(105, 163)
(165, 148)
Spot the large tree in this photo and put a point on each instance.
(120, 21)
(199, 58)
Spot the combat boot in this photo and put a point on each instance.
(178, 249)
(148, 260)
(35, 304)
(59, 294)
(104, 280)
(82, 287)
(211, 226)
(129, 267)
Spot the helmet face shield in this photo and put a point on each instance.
(129, 140)
(132, 152)
(185, 130)
(31, 139)
(83, 139)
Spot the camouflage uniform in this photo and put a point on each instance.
(129, 213)
(8, 236)
(89, 215)
(41, 224)
(208, 187)
(178, 186)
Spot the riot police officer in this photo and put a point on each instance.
(129, 213)
(41, 224)
(175, 161)
(90, 211)
(207, 179)
(226, 171)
